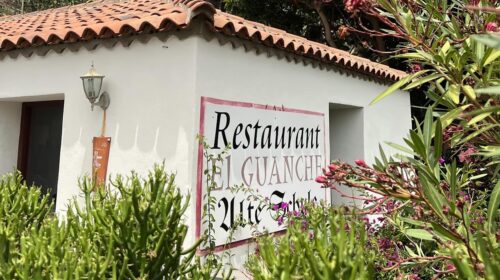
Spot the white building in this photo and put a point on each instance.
(160, 58)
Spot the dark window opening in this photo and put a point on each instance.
(40, 144)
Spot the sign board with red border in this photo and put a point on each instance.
(276, 152)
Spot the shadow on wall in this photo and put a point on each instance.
(138, 129)
(346, 140)
(10, 123)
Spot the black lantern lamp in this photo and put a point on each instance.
(92, 84)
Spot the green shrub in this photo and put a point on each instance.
(318, 244)
(135, 228)
(132, 229)
(440, 196)
(22, 209)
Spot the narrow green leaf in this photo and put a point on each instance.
(469, 92)
(449, 117)
(438, 140)
(401, 148)
(478, 118)
(410, 252)
(397, 86)
(422, 81)
(493, 208)
(453, 94)
(382, 155)
(490, 40)
(419, 234)
(490, 151)
(444, 49)
(494, 90)
(491, 109)
(443, 233)
(410, 56)
(427, 132)
(419, 145)
(463, 267)
(453, 183)
(414, 222)
(492, 57)
(433, 196)
(476, 133)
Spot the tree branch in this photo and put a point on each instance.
(326, 25)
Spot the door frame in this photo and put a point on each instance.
(24, 133)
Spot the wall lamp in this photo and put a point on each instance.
(92, 83)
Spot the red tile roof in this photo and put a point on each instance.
(114, 18)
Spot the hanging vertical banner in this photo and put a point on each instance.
(276, 152)
(100, 159)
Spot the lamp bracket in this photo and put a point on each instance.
(103, 102)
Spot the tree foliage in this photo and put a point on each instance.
(27, 6)
(444, 187)
(324, 21)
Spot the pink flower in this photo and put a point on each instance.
(280, 220)
(333, 167)
(491, 26)
(415, 67)
(384, 243)
(284, 205)
(339, 176)
(305, 224)
(441, 161)
(450, 267)
(346, 227)
(354, 6)
(321, 180)
(450, 131)
(276, 207)
(465, 156)
(413, 277)
(311, 234)
(361, 163)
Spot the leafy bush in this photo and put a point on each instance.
(132, 229)
(319, 243)
(22, 209)
(441, 195)
(436, 203)
(141, 218)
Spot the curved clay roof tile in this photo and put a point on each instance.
(111, 18)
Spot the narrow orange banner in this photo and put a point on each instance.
(100, 158)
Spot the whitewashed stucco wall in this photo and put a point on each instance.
(235, 74)
(231, 73)
(150, 119)
(155, 93)
(10, 123)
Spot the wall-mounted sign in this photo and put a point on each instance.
(274, 150)
(100, 159)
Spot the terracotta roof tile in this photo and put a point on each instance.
(113, 18)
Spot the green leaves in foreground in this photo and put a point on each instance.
(492, 214)
(322, 245)
(131, 230)
(399, 84)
